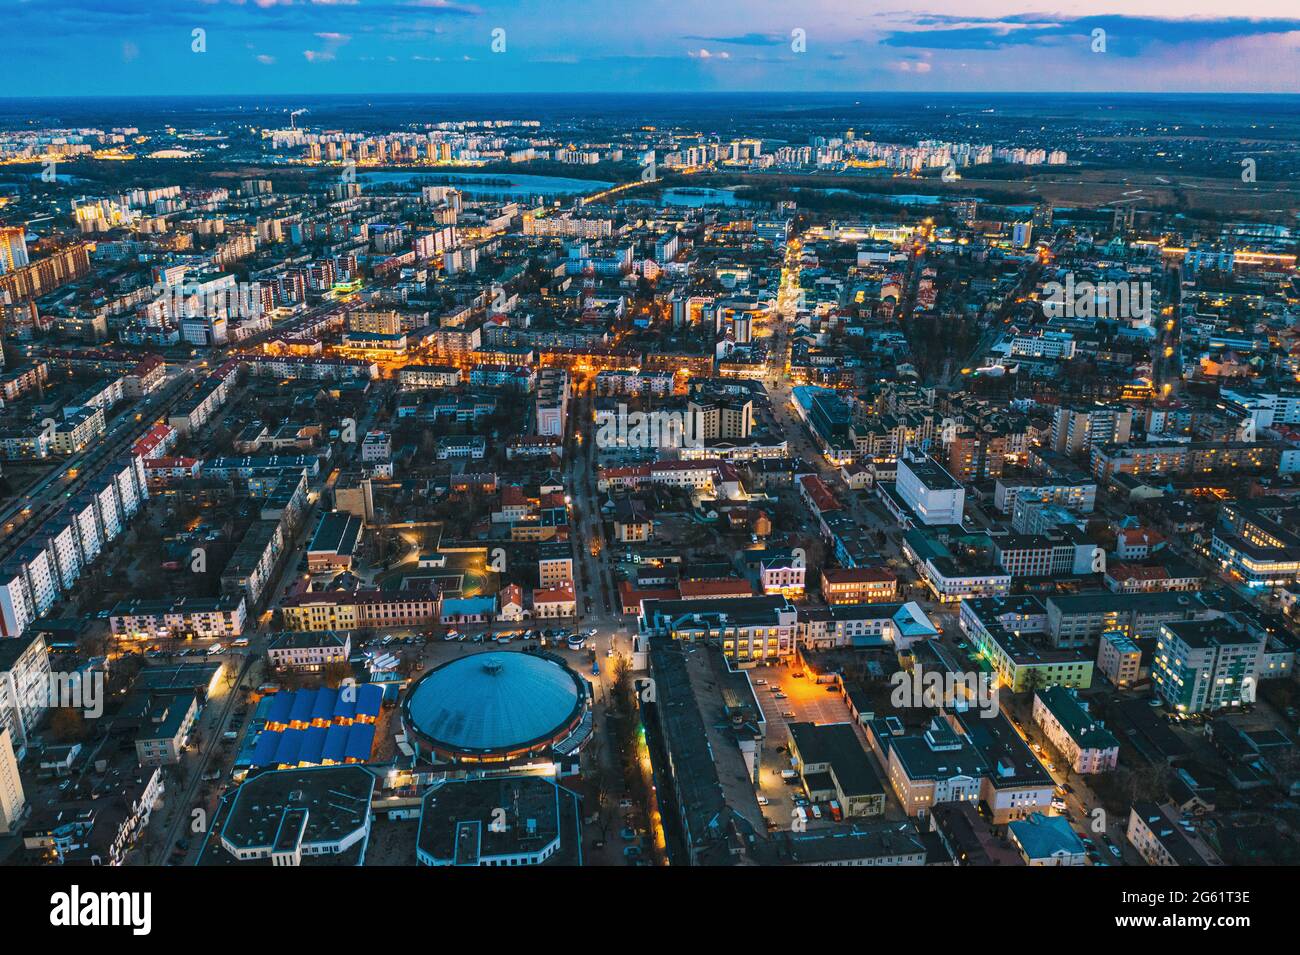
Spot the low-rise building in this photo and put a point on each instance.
(1080, 738)
(858, 585)
(834, 766)
(505, 821)
(140, 619)
(1161, 841)
(292, 817)
(308, 650)
(166, 723)
(1046, 840)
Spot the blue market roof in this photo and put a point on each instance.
(361, 737)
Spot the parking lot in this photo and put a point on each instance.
(809, 702)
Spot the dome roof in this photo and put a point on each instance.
(493, 701)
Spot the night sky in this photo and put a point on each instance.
(141, 47)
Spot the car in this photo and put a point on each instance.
(628, 834)
(797, 674)
(832, 688)
(760, 683)
(816, 811)
(625, 804)
(632, 852)
(763, 800)
(1115, 851)
(789, 715)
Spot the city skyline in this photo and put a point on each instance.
(337, 46)
(604, 436)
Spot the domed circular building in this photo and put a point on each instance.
(494, 707)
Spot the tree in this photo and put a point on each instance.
(68, 725)
(334, 673)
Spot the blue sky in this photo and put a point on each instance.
(124, 47)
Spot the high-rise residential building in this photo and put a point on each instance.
(1206, 665)
(718, 416)
(24, 683)
(1076, 430)
(12, 800)
(933, 495)
(13, 249)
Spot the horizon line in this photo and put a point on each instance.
(879, 92)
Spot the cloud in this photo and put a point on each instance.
(332, 43)
(745, 39)
(446, 6)
(265, 59)
(703, 54)
(1126, 35)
